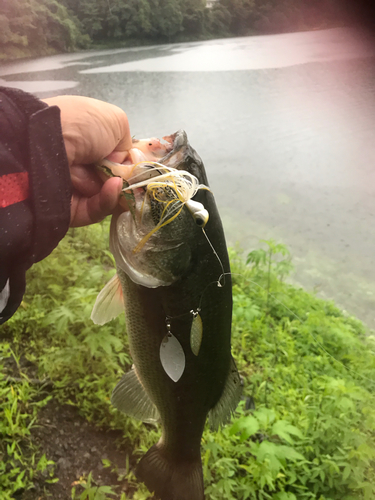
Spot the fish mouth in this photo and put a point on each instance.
(153, 160)
(172, 151)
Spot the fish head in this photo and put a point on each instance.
(154, 241)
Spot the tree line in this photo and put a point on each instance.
(36, 27)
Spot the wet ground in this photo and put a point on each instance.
(285, 125)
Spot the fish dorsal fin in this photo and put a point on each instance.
(130, 397)
(109, 303)
(221, 412)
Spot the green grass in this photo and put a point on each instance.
(309, 368)
(20, 460)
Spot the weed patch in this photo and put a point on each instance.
(20, 461)
(309, 368)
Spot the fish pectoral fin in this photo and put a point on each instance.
(130, 397)
(221, 412)
(109, 303)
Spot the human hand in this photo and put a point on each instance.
(92, 130)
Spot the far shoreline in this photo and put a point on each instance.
(125, 44)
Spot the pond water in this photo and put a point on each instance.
(284, 123)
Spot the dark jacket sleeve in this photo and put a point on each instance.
(35, 190)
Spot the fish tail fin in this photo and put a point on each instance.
(171, 480)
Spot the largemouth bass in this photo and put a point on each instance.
(173, 280)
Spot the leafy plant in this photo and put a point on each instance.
(91, 491)
(309, 368)
(19, 404)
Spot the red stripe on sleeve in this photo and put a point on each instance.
(13, 188)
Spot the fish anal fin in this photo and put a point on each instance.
(221, 412)
(130, 397)
(169, 479)
(109, 303)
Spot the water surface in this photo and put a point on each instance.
(284, 123)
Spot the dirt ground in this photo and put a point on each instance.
(77, 448)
